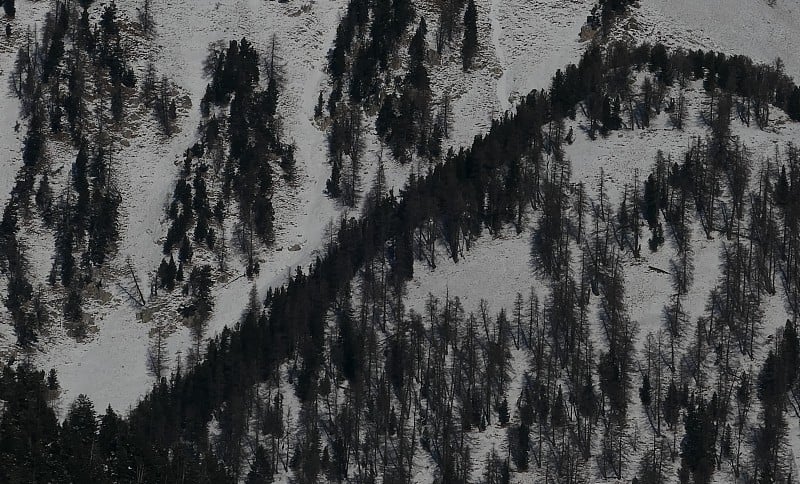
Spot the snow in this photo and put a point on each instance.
(494, 269)
(536, 38)
(752, 28)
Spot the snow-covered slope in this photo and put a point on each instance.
(522, 44)
(110, 366)
(752, 28)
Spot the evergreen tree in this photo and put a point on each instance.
(34, 141)
(28, 429)
(10, 8)
(671, 406)
(793, 106)
(645, 392)
(698, 444)
(417, 46)
(261, 471)
(782, 189)
(470, 45)
(80, 436)
(403, 14)
(502, 412)
(519, 443)
(790, 354)
(185, 252)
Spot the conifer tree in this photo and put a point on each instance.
(470, 45)
(9, 8)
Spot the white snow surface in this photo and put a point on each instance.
(752, 28)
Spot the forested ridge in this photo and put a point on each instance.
(332, 377)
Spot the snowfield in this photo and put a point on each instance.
(752, 28)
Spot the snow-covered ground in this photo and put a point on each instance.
(522, 43)
(535, 38)
(494, 269)
(752, 27)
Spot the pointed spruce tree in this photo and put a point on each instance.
(470, 45)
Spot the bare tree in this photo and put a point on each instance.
(157, 358)
(146, 17)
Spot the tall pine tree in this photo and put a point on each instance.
(470, 45)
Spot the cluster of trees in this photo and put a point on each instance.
(254, 134)
(54, 75)
(405, 121)
(364, 73)
(235, 161)
(9, 8)
(28, 314)
(190, 204)
(365, 42)
(159, 95)
(605, 12)
(360, 64)
(237, 154)
(449, 12)
(85, 216)
(84, 219)
(74, 79)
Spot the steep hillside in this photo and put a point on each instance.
(325, 241)
(149, 164)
